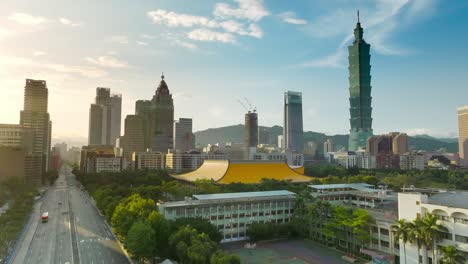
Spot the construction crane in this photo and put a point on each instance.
(247, 105)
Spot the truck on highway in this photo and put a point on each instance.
(45, 217)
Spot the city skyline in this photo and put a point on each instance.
(130, 60)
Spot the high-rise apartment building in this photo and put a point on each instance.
(327, 146)
(183, 136)
(105, 118)
(359, 91)
(158, 118)
(293, 134)
(251, 129)
(463, 135)
(400, 143)
(36, 118)
(133, 137)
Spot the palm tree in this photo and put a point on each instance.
(401, 231)
(415, 234)
(451, 255)
(433, 233)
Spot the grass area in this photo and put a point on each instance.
(21, 197)
(285, 252)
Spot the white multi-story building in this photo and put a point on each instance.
(148, 160)
(107, 164)
(451, 208)
(354, 159)
(412, 161)
(233, 213)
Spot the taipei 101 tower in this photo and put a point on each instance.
(359, 91)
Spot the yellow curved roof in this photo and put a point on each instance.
(209, 170)
(250, 172)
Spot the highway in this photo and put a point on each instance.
(75, 232)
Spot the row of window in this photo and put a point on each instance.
(455, 219)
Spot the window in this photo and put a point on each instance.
(460, 220)
(384, 243)
(462, 239)
(384, 231)
(442, 217)
(417, 202)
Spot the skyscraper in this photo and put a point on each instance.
(36, 118)
(105, 118)
(251, 129)
(133, 136)
(463, 135)
(293, 138)
(359, 91)
(158, 118)
(400, 143)
(183, 136)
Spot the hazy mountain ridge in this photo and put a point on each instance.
(235, 134)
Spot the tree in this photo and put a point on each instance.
(400, 231)
(201, 249)
(140, 240)
(162, 231)
(219, 257)
(129, 211)
(192, 247)
(451, 255)
(416, 234)
(433, 233)
(201, 225)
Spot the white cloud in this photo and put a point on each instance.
(290, 17)
(121, 39)
(27, 19)
(209, 35)
(107, 61)
(39, 53)
(173, 19)
(248, 9)
(418, 131)
(142, 43)
(186, 45)
(68, 22)
(146, 36)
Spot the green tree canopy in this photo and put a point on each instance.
(140, 240)
(129, 211)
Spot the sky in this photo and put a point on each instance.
(215, 53)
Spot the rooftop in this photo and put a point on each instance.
(219, 196)
(357, 186)
(456, 199)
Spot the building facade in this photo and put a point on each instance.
(158, 118)
(450, 208)
(293, 134)
(233, 213)
(183, 135)
(251, 129)
(327, 146)
(149, 160)
(36, 118)
(105, 118)
(463, 135)
(412, 161)
(359, 91)
(133, 140)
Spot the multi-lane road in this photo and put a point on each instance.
(75, 233)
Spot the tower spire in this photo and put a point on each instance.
(162, 75)
(358, 16)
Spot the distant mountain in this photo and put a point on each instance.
(446, 140)
(235, 134)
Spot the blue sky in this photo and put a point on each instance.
(214, 52)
